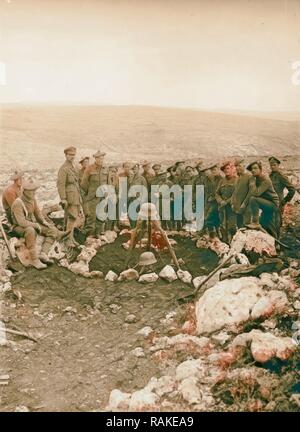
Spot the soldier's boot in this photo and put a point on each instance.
(212, 233)
(254, 224)
(35, 261)
(70, 242)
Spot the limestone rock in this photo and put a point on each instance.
(227, 303)
(118, 400)
(148, 278)
(265, 346)
(168, 273)
(128, 275)
(142, 399)
(184, 276)
(111, 276)
(190, 391)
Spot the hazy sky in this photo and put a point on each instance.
(208, 54)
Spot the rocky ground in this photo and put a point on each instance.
(100, 341)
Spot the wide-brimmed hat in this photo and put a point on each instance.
(30, 184)
(156, 165)
(83, 158)
(148, 211)
(147, 258)
(249, 167)
(225, 164)
(99, 154)
(70, 150)
(239, 161)
(16, 175)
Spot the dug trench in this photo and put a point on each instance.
(86, 330)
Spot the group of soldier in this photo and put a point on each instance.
(235, 195)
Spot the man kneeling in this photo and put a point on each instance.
(28, 222)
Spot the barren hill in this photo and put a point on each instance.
(36, 135)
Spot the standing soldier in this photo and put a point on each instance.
(69, 192)
(212, 220)
(188, 178)
(28, 221)
(280, 182)
(224, 193)
(240, 192)
(11, 193)
(136, 179)
(95, 175)
(148, 173)
(113, 180)
(84, 162)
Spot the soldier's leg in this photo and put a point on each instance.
(30, 235)
(231, 223)
(90, 227)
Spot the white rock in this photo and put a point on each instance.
(168, 273)
(130, 318)
(138, 352)
(109, 236)
(220, 338)
(118, 400)
(241, 259)
(111, 276)
(86, 254)
(190, 368)
(128, 275)
(145, 331)
(3, 339)
(190, 391)
(164, 385)
(148, 278)
(22, 408)
(229, 302)
(266, 279)
(265, 346)
(56, 251)
(142, 399)
(81, 267)
(180, 341)
(252, 240)
(274, 301)
(297, 305)
(184, 276)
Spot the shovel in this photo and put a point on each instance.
(191, 297)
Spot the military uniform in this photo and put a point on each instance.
(82, 193)
(28, 220)
(135, 180)
(239, 194)
(69, 191)
(262, 196)
(281, 182)
(10, 194)
(93, 177)
(227, 215)
(211, 212)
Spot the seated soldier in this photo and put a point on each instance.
(10, 193)
(28, 221)
(262, 196)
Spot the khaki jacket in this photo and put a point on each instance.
(93, 177)
(68, 184)
(25, 213)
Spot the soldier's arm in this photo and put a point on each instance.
(18, 212)
(218, 197)
(84, 184)
(10, 197)
(288, 185)
(61, 184)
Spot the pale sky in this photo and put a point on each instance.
(207, 54)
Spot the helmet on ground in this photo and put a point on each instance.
(147, 258)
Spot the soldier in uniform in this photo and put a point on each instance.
(240, 192)
(95, 175)
(11, 193)
(69, 192)
(84, 162)
(262, 196)
(281, 183)
(148, 173)
(224, 193)
(113, 180)
(156, 168)
(136, 179)
(212, 220)
(188, 178)
(28, 221)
